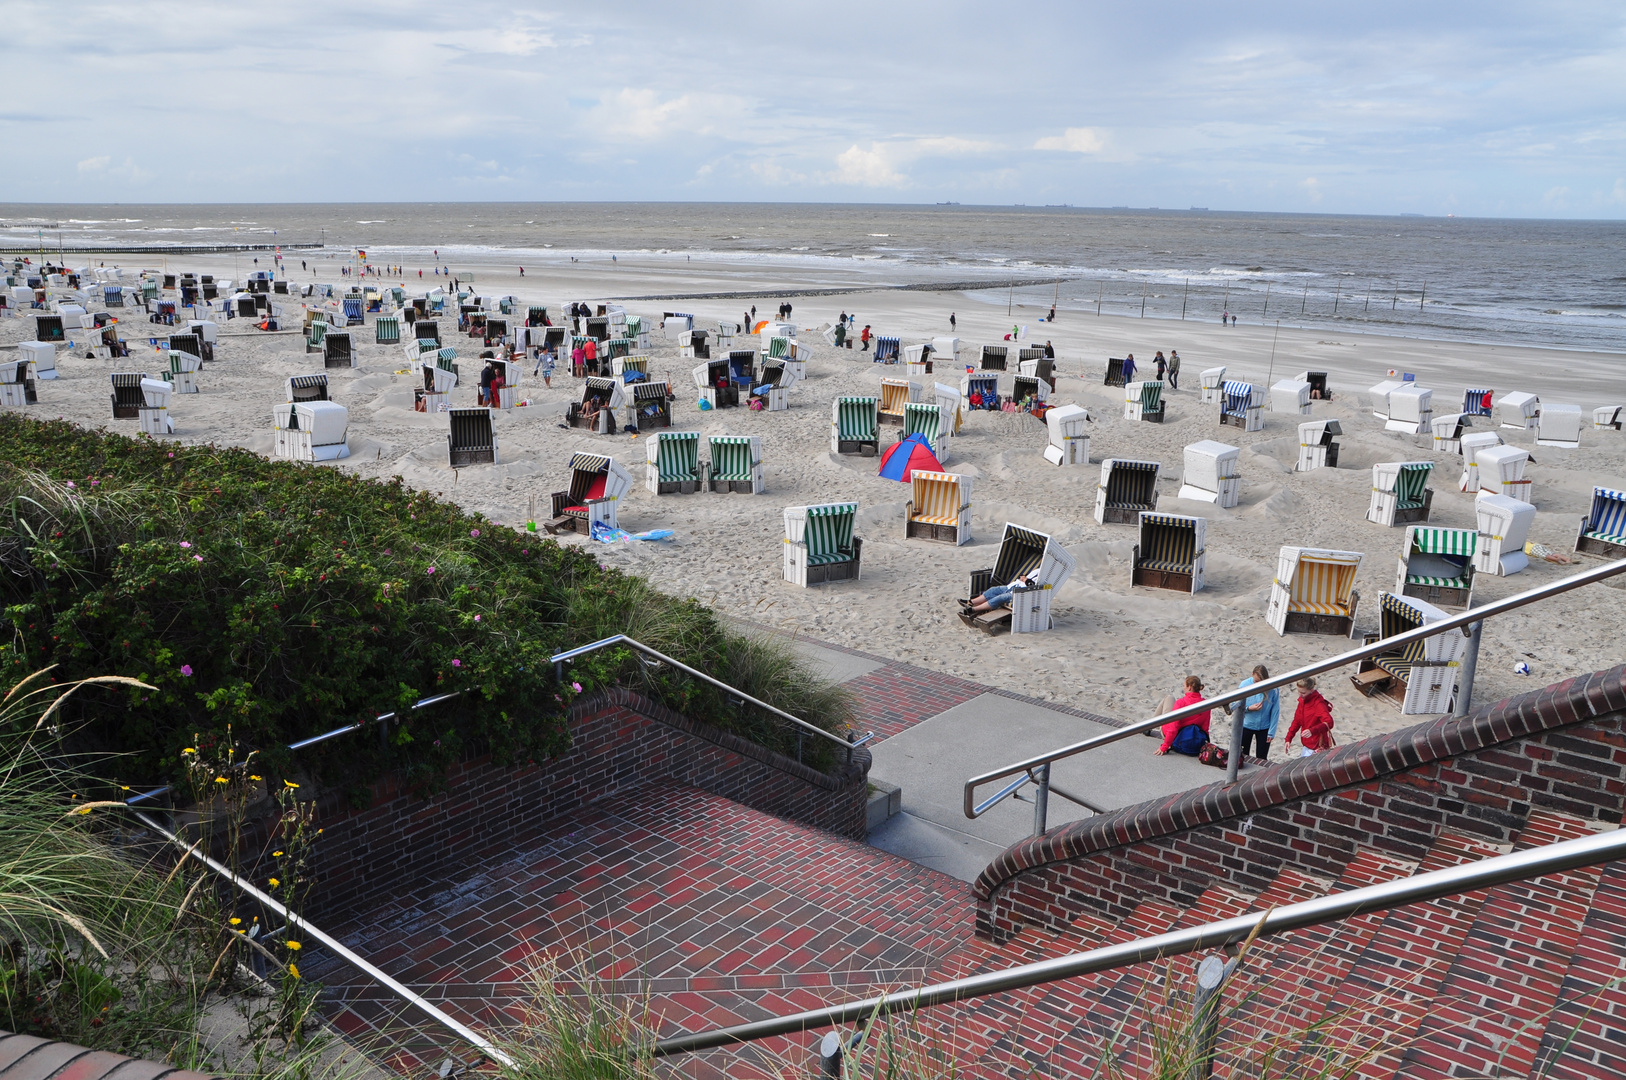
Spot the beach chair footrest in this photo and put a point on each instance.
(1178, 581)
(1593, 545)
(1309, 622)
(1439, 595)
(931, 530)
(864, 447)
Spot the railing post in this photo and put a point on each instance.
(830, 1054)
(1211, 976)
(1233, 762)
(1470, 661)
(1041, 800)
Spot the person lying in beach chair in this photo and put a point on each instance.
(1603, 530)
(886, 349)
(819, 544)
(1314, 592)
(939, 508)
(1317, 450)
(1421, 677)
(1212, 474)
(1400, 493)
(1437, 565)
(735, 463)
(674, 463)
(1144, 401)
(854, 426)
(1031, 394)
(1504, 528)
(1015, 592)
(1318, 384)
(597, 483)
(1172, 552)
(1127, 488)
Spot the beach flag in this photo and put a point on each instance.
(903, 459)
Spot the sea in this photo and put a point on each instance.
(1529, 282)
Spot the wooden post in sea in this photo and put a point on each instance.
(1099, 292)
(1183, 300)
(1305, 299)
(1368, 306)
(1143, 299)
(1266, 313)
(1336, 293)
(1396, 298)
(1227, 304)
(1422, 295)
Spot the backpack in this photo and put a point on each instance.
(1189, 740)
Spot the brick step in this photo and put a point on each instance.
(1582, 1040)
(1493, 1004)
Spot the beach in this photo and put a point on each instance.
(1114, 649)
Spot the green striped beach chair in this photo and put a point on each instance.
(1603, 531)
(926, 420)
(1144, 401)
(1400, 493)
(315, 336)
(1171, 553)
(736, 463)
(855, 426)
(820, 545)
(387, 330)
(1421, 677)
(1437, 565)
(674, 462)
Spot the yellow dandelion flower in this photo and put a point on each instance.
(275, 883)
(190, 750)
(237, 922)
(221, 780)
(276, 854)
(289, 783)
(295, 946)
(293, 969)
(256, 778)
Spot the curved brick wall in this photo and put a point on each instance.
(26, 1057)
(1562, 747)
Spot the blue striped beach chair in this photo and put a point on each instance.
(1437, 565)
(1242, 405)
(1400, 493)
(983, 384)
(1420, 677)
(939, 508)
(1171, 554)
(1603, 530)
(352, 309)
(1314, 592)
(1127, 489)
(1477, 402)
(674, 463)
(819, 544)
(886, 350)
(735, 464)
(855, 426)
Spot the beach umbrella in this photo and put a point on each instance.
(905, 458)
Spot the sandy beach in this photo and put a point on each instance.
(1114, 650)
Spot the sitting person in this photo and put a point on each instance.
(1190, 735)
(997, 596)
(590, 413)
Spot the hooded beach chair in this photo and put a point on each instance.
(308, 387)
(1380, 397)
(886, 349)
(939, 508)
(630, 369)
(1144, 401)
(946, 349)
(1242, 405)
(1115, 372)
(1411, 409)
(426, 330)
(1472, 442)
(1501, 472)
(854, 426)
(472, 440)
(1319, 390)
(1518, 410)
(1212, 473)
(536, 316)
(127, 398)
(726, 332)
(1028, 391)
(14, 383)
(1421, 677)
(917, 359)
(1022, 553)
(895, 394)
(1504, 526)
(1069, 443)
(674, 463)
(597, 483)
(311, 430)
(1314, 592)
(650, 408)
(604, 394)
(675, 324)
(49, 328)
(1448, 430)
(1171, 553)
(352, 310)
(819, 544)
(1477, 402)
(336, 351)
(925, 419)
(387, 330)
(712, 382)
(154, 410)
(742, 369)
(949, 401)
(735, 463)
(777, 377)
(1039, 367)
(1317, 450)
(1603, 530)
(315, 335)
(1127, 489)
(497, 331)
(1559, 425)
(192, 344)
(182, 372)
(1400, 493)
(598, 328)
(1607, 416)
(1291, 396)
(1213, 384)
(993, 358)
(980, 389)
(1437, 565)
(41, 358)
(775, 347)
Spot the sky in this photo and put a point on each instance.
(1483, 109)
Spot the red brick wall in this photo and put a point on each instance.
(619, 741)
(1562, 747)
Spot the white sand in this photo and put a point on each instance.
(1114, 650)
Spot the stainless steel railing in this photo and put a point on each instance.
(1469, 877)
(1036, 770)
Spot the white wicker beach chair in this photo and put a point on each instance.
(939, 508)
(1472, 442)
(1319, 390)
(1411, 410)
(1143, 400)
(603, 394)
(946, 350)
(1607, 416)
(674, 463)
(917, 359)
(1448, 430)
(1171, 554)
(1421, 677)
(1317, 450)
(40, 356)
(1380, 397)
(949, 404)
(1603, 530)
(311, 430)
(181, 371)
(1518, 410)
(1212, 381)
(1242, 405)
(1126, 489)
(1314, 592)
(855, 426)
(1069, 442)
(597, 483)
(1022, 552)
(1559, 425)
(1504, 526)
(1437, 565)
(14, 383)
(1400, 493)
(1291, 396)
(1501, 472)
(1211, 473)
(819, 544)
(735, 463)
(154, 411)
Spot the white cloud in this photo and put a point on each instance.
(1619, 194)
(95, 164)
(867, 168)
(1558, 197)
(646, 114)
(771, 172)
(1312, 188)
(1076, 140)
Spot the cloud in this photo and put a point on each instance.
(95, 164)
(1619, 194)
(646, 114)
(867, 168)
(1556, 197)
(771, 172)
(1312, 188)
(1075, 140)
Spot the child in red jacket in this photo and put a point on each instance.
(1313, 717)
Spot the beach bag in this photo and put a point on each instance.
(1190, 741)
(1215, 755)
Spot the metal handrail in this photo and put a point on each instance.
(560, 659)
(1240, 694)
(1420, 888)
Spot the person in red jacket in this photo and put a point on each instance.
(1313, 717)
(1173, 732)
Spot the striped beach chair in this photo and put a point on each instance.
(1559, 425)
(1518, 410)
(1171, 553)
(776, 348)
(1476, 402)
(1212, 382)
(1029, 391)
(427, 330)
(895, 394)
(1501, 472)
(1115, 372)
(939, 508)
(352, 310)
(1448, 430)
(650, 406)
(336, 351)
(1421, 677)
(597, 483)
(674, 463)
(308, 387)
(1291, 396)
(1212, 473)
(854, 426)
(630, 369)
(1069, 444)
(1127, 489)
(1242, 405)
(1504, 526)
(387, 330)
(471, 441)
(1411, 410)
(1437, 565)
(742, 369)
(926, 420)
(819, 544)
(1314, 592)
(127, 396)
(1317, 450)
(182, 373)
(315, 335)
(536, 316)
(1144, 401)
(1607, 417)
(1022, 552)
(1400, 493)
(735, 463)
(1603, 530)
(601, 393)
(311, 431)
(886, 349)
(715, 389)
(993, 358)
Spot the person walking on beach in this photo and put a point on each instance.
(1052, 313)
(1161, 364)
(1129, 368)
(841, 334)
(863, 339)
(1313, 717)
(1260, 715)
(1190, 735)
(1174, 380)
(522, 271)
(546, 363)
(753, 316)
(952, 326)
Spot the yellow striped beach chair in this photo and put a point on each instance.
(1421, 677)
(1314, 592)
(939, 508)
(1171, 554)
(895, 394)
